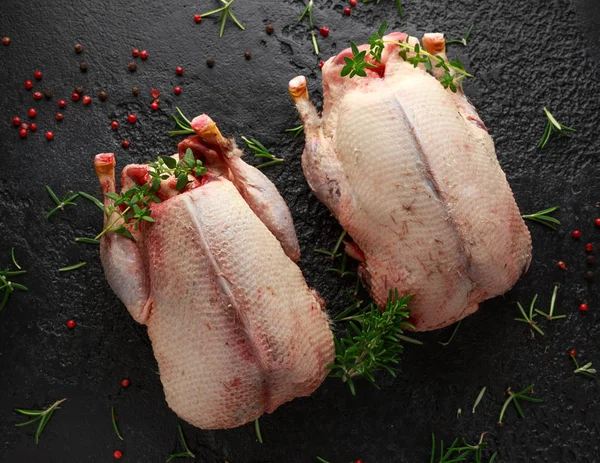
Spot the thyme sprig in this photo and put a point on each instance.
(457, 452)
(41, 416)
(261, 152)
(183, 123)
(550, 315)
(552, 125)
(61, 204)
(528, 318)
(226, 12)
(398, 5)
(372, 342)
(308, 11)
(257, 431)
(464, 40)
(6, 285)
(187, 453)
(454, 71)
(585, 370)
(134, 205)
(295, 131)
(479, 397)
(544, 217)
(114, 423)
(514, 397)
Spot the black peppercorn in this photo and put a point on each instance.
(83, 66)
(589, 275)
(132, 67)
(210, 62)
(79, 89)
(135, 91)
(247, 55)
(78, 48)
(48, 94)
(591, 260)
(270, 29)
(59, 116)
(102, 96)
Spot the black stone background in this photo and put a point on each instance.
(524, 55)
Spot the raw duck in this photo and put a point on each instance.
(410, 171)
(234, 327)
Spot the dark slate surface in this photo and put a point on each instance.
(524, 55)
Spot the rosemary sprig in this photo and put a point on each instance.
(464, 40)
(553, 125)
(454, 71)
(321, 460)
(514, 397)
(87, 240)
(342, 272)
(257, 431)
(544, 217)
(550, 315)
(6, 285)
(333, 254)
(261, 152)
(398, 5)
(372, 342)
(529, 318)
(133, 206)
(183, 123)
(452, 336)
(93, 200)
(114, 423)
(226, 12)
(295, 131)
(308, 11)
(71, 267)
(479, 397)
(585, 370)
(43, 416)
(187, 453)
(61, 204)
(457, 452)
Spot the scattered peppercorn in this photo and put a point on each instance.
(561, 265)
(247, 55)
(347, 11)
(6, 41)
(49, 136)
(589, 247)
(353, 3)
(37, 75)
(179, 70)
(79, 89)
(197, 18)
(37, 95)
(583, 307)
(32, 112)
(144, 54)
(125, 144)
(48, 94)
(59, 116)
(83, 66)
(589, 275)
(117, 454)
(132, 118)
(125, 382)
(321, 64)
(24, 126)
(33, 126)
(102, 96)
(75, 97)
(154, 106)
(135, 53)
(23, 133)
(132, 66)
(71, 324)
(270, 29)
(324, 31)
(62, 103)
(576, 234)
(114, 125)
(597, 222)
(78, 48)
(591, 260)
(28, 84)
(572, 353)
(210, 62)
(135, 91)
(87, 99)
(177, 90)
(16, 121)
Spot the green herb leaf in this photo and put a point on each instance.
(187, 453)
(71, 267)
(552, 125)
(544, 217)
(43, 416)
